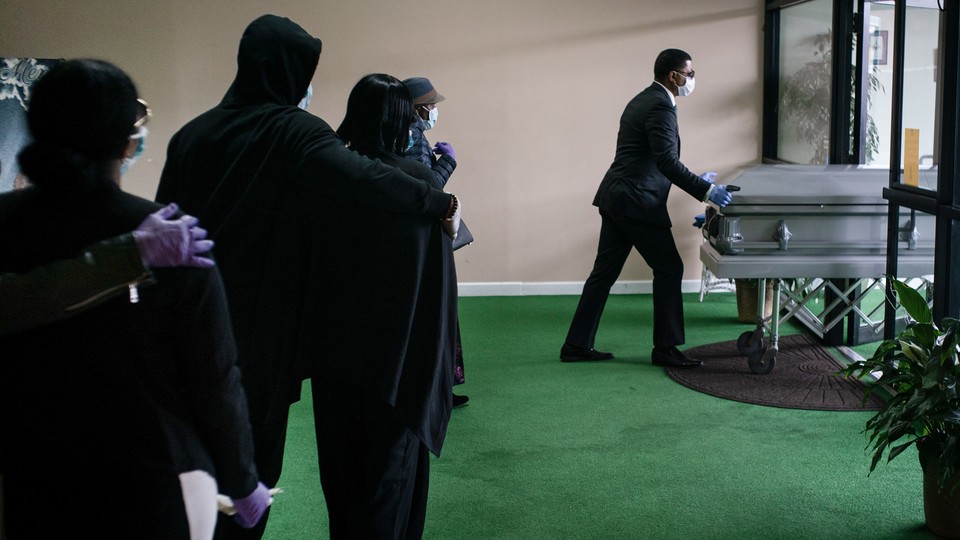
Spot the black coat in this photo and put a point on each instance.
(102, 410)
(385, 291)
(252, 169)
(421, 151)
(647, 162)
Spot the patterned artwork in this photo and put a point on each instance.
(17, 76)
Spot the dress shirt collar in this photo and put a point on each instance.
(669, 93)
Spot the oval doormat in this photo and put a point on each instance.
(802, 378)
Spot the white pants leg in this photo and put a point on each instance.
(200, 498)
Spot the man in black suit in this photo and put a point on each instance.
(632, 199)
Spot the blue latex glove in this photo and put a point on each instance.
(252, 507)
(698, 220)
(172, 243)
(444, 149)
(720, 196)
(709, 176)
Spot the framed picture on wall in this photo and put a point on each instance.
(17, 77)
(878, 47)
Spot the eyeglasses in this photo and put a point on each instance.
(690, 75)
(143, 113)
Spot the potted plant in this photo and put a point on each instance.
(920, 370)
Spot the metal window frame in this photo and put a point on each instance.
(844, 26)
(944, 204)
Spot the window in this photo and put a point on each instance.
(875, 83)
(806, 71)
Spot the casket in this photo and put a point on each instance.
(807, 221)
(821, 233)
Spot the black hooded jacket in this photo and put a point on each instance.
(259, 173)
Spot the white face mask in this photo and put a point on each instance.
(305, 102)
(687, 88)
(432, 119)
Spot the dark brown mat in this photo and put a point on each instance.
(802, 377)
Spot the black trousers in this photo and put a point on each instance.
(618, 235)
(373, 469)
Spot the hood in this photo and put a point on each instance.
(275, 63)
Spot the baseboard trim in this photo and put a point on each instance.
(559, 288)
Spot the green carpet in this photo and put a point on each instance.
(616, 449)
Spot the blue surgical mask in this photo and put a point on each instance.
(128, 162)
(431, 119)
(305, 102)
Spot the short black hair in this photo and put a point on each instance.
(669, 60)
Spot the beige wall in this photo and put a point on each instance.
(534, 92)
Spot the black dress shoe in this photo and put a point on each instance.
(460, 400)
(572, 353)
(672, 357)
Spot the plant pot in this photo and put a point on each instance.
(941, 508)
(747, 300)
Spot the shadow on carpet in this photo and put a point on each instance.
(802, 378)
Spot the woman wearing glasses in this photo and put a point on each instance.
(125, 420)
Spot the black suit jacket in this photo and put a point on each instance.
(647, 162)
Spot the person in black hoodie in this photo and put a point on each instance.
(117, 420)
(259, 171)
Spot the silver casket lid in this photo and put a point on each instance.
(805, 220)
(780, 185)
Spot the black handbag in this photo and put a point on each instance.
(463, 236)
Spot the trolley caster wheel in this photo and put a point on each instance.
(762, 361)
(750, 342)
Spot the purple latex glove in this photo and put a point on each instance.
(178, 242)
(709, 176)
(252, 507)
(444, 149)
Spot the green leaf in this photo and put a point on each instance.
(914, 353)
(926, 334)
(897, 450)
(911, 301)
